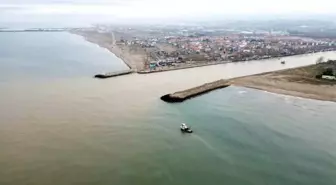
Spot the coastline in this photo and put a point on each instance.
(295, 84)
(298, 82)
(289, 92)
(108, 43)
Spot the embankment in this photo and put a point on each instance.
(190, 93)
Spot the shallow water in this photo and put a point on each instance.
(58, 125)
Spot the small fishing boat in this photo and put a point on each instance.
(283, 62)
(185, 128)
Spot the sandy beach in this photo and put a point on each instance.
(134, 60)
(300, 82)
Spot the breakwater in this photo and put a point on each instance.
(113, 74)
(190, 93)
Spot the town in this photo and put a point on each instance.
(161, 48)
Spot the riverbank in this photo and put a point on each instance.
(182, 67)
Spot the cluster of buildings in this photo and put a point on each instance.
(239, 47)
(186, 48)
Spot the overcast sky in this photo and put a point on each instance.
(156, 9)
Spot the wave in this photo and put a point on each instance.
(242, 92)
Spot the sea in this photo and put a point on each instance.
(61, 126)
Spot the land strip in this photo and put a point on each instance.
(300, 82)
(307, 82)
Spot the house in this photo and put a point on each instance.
(327, 77)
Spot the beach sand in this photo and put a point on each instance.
(300, 82)
(134, 59)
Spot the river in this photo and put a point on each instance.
(60, 126)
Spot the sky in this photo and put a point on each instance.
(30, 10)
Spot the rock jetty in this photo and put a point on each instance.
(190, 93)
(113, 74)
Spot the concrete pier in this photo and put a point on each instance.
(190, 93)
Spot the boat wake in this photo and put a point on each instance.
(204, 142)
(217, 153)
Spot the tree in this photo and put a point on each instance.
(329, 72)
(320, 60)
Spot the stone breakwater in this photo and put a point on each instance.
(190, 93)
(113, 74)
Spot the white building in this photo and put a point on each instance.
(327, 77)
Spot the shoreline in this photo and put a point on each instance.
(297, 85)
(111, 47)
(288, 93)
(297, 82)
